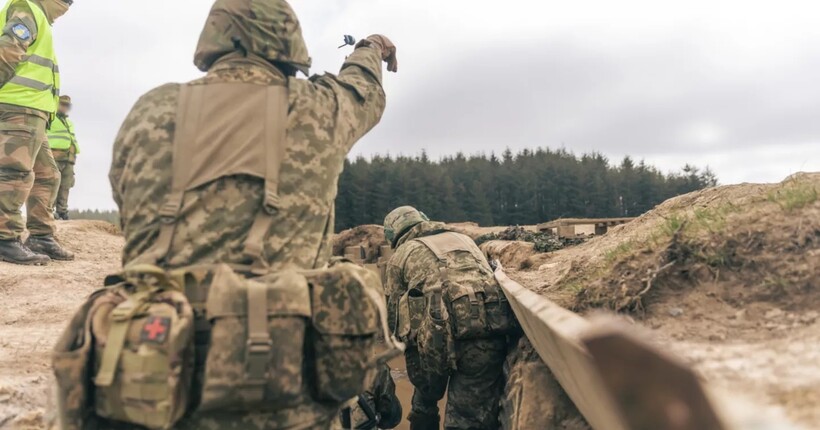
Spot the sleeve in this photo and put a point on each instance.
(74, 135)
(356, 97)
(19, 32)
(394, 288)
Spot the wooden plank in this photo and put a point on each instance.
(555, 333)
(653, 389)
(583, 221)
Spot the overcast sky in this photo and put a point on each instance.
(728, 84)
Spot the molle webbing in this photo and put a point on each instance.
(227, 129)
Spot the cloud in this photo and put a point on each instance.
(728, 84)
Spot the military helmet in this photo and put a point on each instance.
(399, 221)
(66, 100)
(267, 28)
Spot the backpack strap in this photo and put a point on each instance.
(275, 131)
(191, 110)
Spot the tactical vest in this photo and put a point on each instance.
(36, 81)
(212, 142)
(61, 135)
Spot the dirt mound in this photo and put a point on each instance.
(369, 236)
(37, 302)
(727, 276)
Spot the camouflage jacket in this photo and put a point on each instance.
(327, 115)
(414, 266)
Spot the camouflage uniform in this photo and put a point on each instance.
(474, 388)
(28, 173)
(327, 115)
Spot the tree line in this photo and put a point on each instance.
(528, 187)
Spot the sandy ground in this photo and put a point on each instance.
(37, 302)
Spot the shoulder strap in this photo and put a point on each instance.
(275, 131)
(188, 120)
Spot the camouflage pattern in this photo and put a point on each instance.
(328, 114)
(474, 387)
(66, 169)
(266, 28)
(28, 173)
(399, 220)
(229, 383)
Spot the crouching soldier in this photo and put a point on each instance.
(453, 316)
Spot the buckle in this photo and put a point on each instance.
(256, 360)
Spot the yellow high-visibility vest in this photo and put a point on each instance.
(61, 135)
(36, 81)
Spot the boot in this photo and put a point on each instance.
(13, 251)
(48, 246)
(62, 216)
(423, 422)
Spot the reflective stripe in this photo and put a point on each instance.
(40, 61)
(30, 83)
(55, 137)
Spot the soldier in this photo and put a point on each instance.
(465, 356)
(29, 90)
(64, 146)
(249, 102)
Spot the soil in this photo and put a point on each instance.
(728, 278)
(37, 303)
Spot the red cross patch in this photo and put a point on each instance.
(155, 329)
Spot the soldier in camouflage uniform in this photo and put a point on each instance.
(474, 387)
(29, 84)
(258, 42)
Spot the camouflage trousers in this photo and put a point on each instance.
(473, 389)
(66, 183)
(28, 175)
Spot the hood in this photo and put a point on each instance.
(268, 29)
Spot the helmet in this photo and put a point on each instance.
(267, 28)
(400, 220)
(66, 100)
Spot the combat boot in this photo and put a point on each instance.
(13, 251)
(62, 216)
(48, 246)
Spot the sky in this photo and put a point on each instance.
(732, 85)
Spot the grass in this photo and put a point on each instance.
(794, 195)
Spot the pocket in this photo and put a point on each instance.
(411, 314)
(19, 140)
(435, 339)
(256, 354)
(143, 357)
(71, 362)
(467, 312)
(343, 336)
(500, 316)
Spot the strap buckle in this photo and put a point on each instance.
(169, 211)
(256, 360)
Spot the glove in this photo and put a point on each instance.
(387, 48)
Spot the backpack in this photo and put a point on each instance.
(206, 339)
(465, 302)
